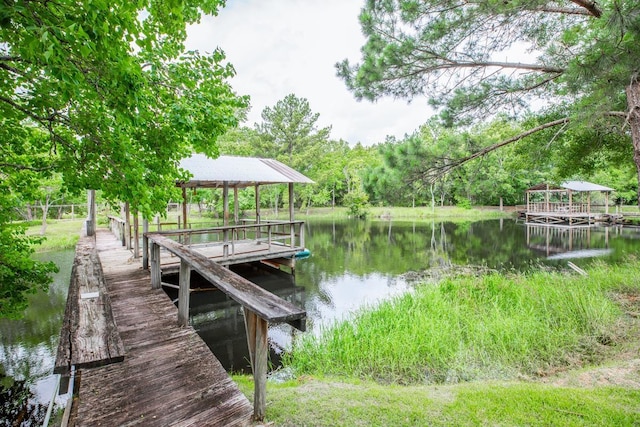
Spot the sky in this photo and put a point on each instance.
(282, 47)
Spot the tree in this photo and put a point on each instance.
(584, 69)
(118, 101)
(290, 133)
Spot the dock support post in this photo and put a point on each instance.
(257, 211)
(292, 233)
(183, 293)
(155, 266)
(145, 244)
(136, 235)
(127, 226)
(225, 219)
(258, 352)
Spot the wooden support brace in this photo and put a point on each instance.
(183, 293)
(258, 352)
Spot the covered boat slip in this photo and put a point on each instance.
(570, 203)
(244, 240)
(166, 375)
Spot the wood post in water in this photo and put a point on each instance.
(183, 293)
(258, 352)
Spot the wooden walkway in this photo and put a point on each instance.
(169, 377)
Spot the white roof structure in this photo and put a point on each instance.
(584, 186)
(239, 172)
(578, 186)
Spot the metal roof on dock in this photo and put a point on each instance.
(580, 186)
(238, 172)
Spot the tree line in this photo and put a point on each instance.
(103, 95)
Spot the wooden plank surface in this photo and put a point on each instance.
(169, 376)
(262, 302)
(89, 336)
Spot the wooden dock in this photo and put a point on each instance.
(168, 377)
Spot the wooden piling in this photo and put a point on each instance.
(156, 274)
(258, 353)
(183, 293)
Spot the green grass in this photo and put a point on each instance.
(60, 234)
(339, 402)
(475, 351)
(468, 328)
(395, 213)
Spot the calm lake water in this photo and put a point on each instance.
(352, 264)
(28, 350)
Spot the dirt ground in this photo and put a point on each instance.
(621, 354)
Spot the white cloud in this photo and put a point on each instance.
(280, 47)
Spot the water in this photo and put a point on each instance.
(28, 349)
(354, 264)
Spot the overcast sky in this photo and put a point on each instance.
(280, 47)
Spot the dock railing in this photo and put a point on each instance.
(260, 306)
(282, 233)
(117, 226)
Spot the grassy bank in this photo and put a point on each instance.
(339, 402)
(449, 213)
(468, 328)
(474, 351)
(60, 234)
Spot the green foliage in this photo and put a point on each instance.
(414, 49)
(463, 203)
(290, 134)
(331, 401)
(19, 274)
(581, 71)
(471, 328)
(103, 95)
(357, 204)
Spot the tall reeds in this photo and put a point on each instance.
(466, 328)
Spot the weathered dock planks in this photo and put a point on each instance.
(169, 377)
(89, 336)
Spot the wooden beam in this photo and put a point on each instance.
(145, 244)
(291, 201)
(225, 203)
(257, 329)
(260, 301)
(236, 206)
(89, 336)
(225, 215)
(156, 274)
(127, 226)
(292, 233)
(257, 210)
(184, 208)
(136, 235)
(91, 216)
(183, 293)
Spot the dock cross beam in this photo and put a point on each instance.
(260, 306)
